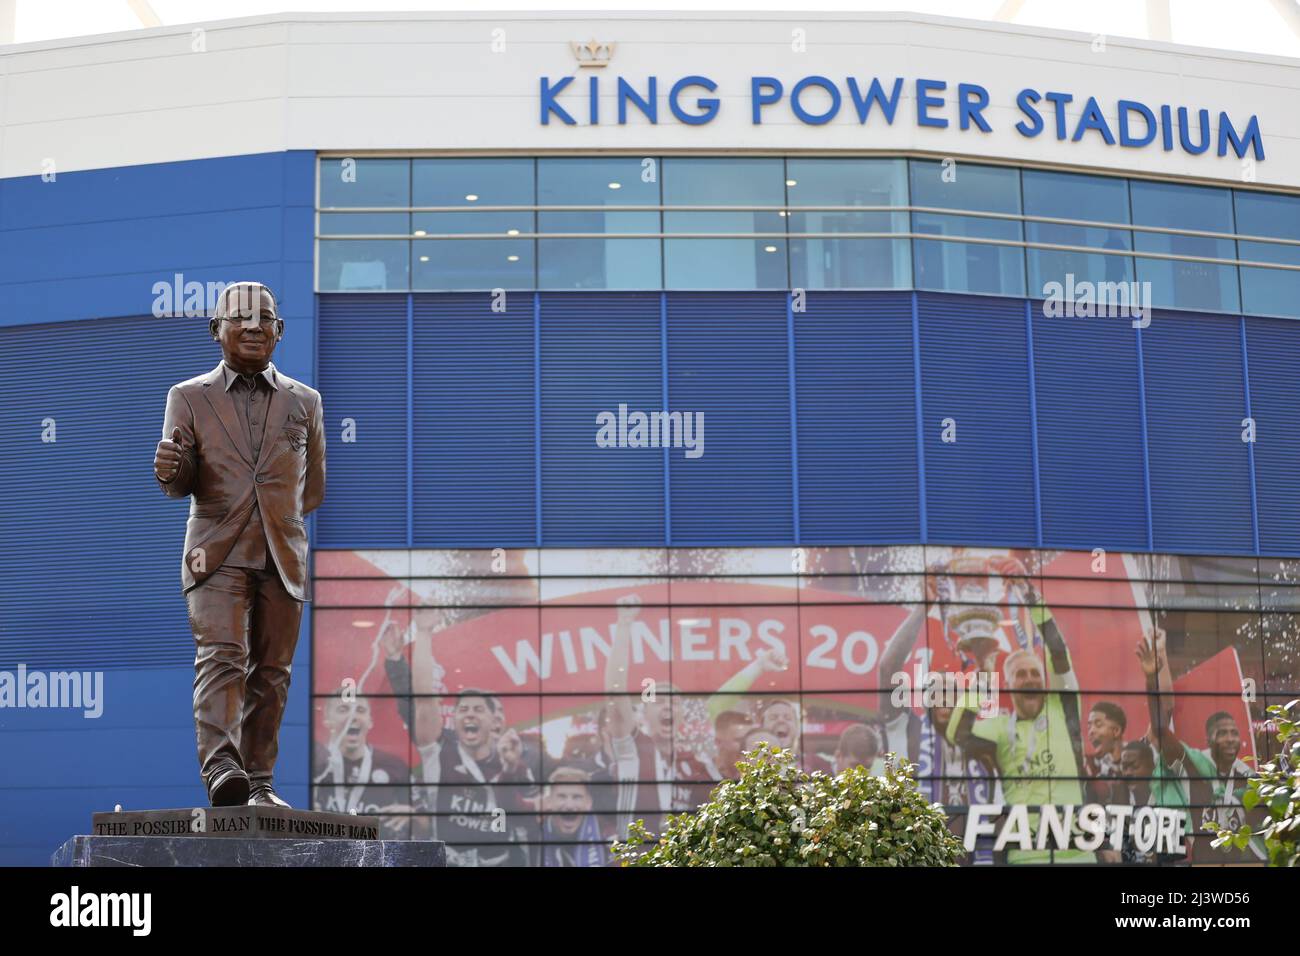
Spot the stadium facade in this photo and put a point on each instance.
(964, 340)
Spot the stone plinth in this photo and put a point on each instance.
(241, 836)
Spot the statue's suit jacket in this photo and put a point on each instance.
(217, 468)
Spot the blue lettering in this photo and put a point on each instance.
(1092, 119)
(708, 104)
(758, 99)
(549, 106)
(649, 106)
(1184, 131)
(875, 94)
(1025, 100)
(968, 111)
(1059, 100)
(1251, 136)
(1125, 137)
(815, 119)
(924, 102)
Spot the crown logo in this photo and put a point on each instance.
(593, 53)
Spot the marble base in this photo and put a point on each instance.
(190, 851)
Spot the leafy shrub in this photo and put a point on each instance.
(777, 815)
(1276, 788)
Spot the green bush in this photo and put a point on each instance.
(777, 815)
(1277, 789)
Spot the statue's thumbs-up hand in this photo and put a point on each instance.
(167, 457)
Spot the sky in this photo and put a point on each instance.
(1253, 26)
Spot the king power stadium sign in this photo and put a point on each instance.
(817, 100)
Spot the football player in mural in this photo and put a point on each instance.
(351, 776)
(858, 746)
(1037, 748)
(1106, 725)
(778, 717)
(945, 772)
(570, 834)
(729, 730)
(1214, 778)
(473, 778)
(656, 774)
(1142, 778)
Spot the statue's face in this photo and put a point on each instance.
(249, 331)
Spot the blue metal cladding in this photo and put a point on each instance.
(474, 441)
(599, 351)
(856, 405)
(728, 358)
(91, 569)
(93, 243)
(363, 391)
(1195, 402)
(975, 371)
(1273, 346)
(503, 436)
(1089, 432)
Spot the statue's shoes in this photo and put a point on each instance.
(230, 789)
(264, 795)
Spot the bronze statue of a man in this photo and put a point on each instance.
(247, 443)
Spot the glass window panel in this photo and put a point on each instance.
(850, 264)
(589, 263)
(473, 223)
(820, 263)
(619, 221)
(1269, 291)
(725, 264)
(967, 267)
(443, 264)
(1071, 196)
(846, 182)
(365, 223)
(1186, 285)
(599, 264)
(372, 182)
(362, 265)
(981, 188)
(472, 182)
(595, 181)
(743, 223)
(724, 182)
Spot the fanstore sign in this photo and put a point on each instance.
(817, 100)
(1058, 828)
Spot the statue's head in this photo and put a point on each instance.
(247, 323)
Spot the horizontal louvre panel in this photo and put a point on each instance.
(363, 352)
(1273, 349)
(856, 398)
(975, 371)
(599, 351)
(1090, 464)
(1200, 479)
(91, 562)
(728, 358)
(475, 413)
(480, 474)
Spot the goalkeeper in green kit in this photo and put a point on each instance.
(1038, 747)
